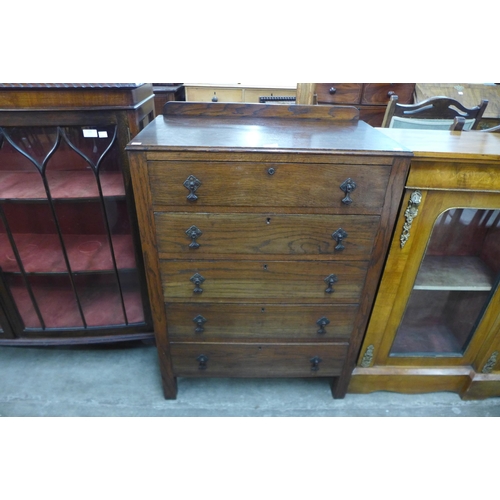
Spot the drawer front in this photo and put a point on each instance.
(213, 94)
(298, 281)
(339, 93)
(253, 95)
(204, 234)
(269, 185)
(257, 360)
(189, 322)
(380, 93)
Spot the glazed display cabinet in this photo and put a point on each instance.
(435, 324)
(71, 266)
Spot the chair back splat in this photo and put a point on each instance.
(439, 112)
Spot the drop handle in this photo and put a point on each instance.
(192, 184)
(202, 362)
(322, 322)
(193, 232)
(330, 280)
(348, 186)
(197, 279)
(315, 363)
(339, 235)
(200, 321)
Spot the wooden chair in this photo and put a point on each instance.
(435, 113)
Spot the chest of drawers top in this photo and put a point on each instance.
(262, 128)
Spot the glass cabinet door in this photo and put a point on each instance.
(66, 248)
(457, 278)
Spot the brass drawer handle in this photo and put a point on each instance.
(330, 280)
(192, 184)
(197, 279)
(322, 322)
(193, 232)
(315, 363)
(200, 321)
(348, 186)
(339, 235)
(202, 362)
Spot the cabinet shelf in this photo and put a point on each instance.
(41, 253)
(101, 306)
(462, 273)
(63, 185)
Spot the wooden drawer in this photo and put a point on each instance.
(380, 93)
(265, 234)
(208, 94)
(246, 184)
(300, 281)
(339, 93)
(189, 322)
(257, 360)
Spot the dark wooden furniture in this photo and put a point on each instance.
(370, 98)
(434, 113)
(264, 230)
(71, 268)
(435, 325)
(165, 92)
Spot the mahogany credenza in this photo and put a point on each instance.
(264, 229)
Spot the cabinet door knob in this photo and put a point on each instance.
(215, 98)
(200, 321)
(197, 279)
(322, 322)
(332, 90)
(330, 280)
(202, 362)
(348, 186)
(315, 363)
(192, 184)
(391, 93)
(339, 235)
(193, 232)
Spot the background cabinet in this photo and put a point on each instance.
(236, 92)
(71, 268)
(435, 324)
(370, 98)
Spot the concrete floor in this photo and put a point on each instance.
(124, 381)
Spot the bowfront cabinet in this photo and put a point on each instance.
(71, 267)
(264, 230)
(436, 321)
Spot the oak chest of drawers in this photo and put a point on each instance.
(264, 231)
